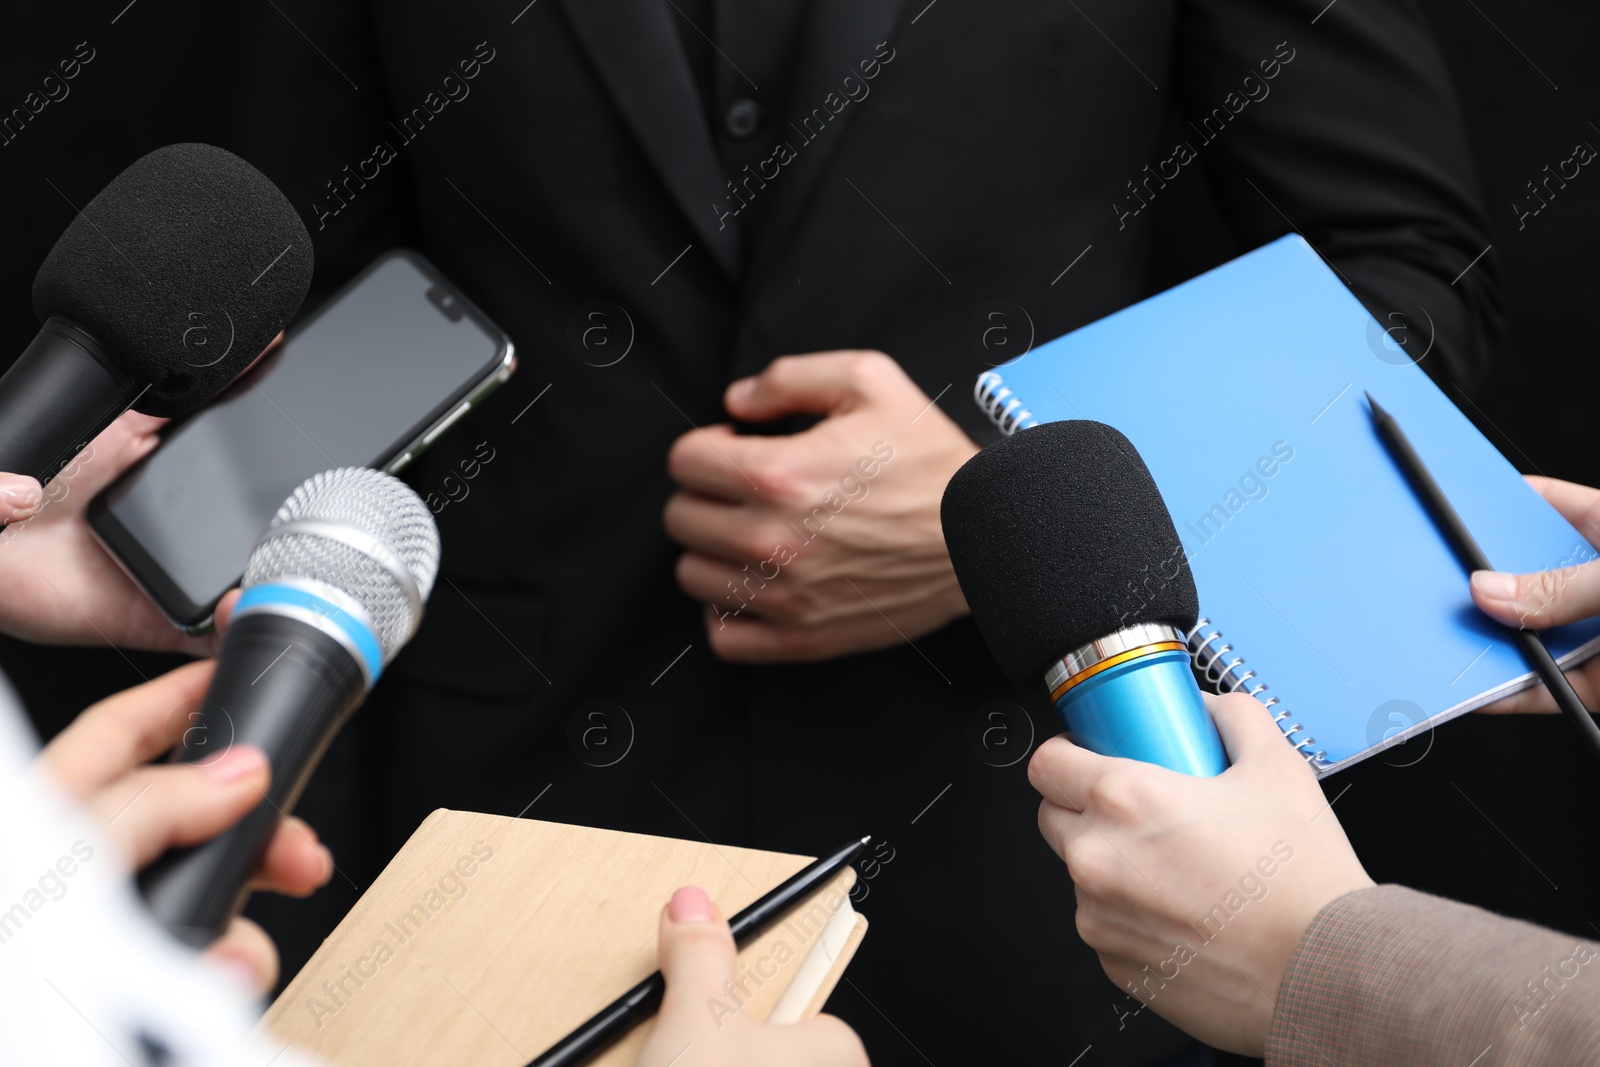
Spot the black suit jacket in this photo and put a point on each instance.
(1015, 156)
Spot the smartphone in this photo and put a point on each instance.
(370, 379)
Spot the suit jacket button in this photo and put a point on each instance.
(743, 119)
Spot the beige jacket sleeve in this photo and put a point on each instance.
(1389, 976)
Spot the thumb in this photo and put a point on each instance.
(821, 383)
(1545, 598)
(20, 497)
(223, 614)
(129, 438)
(1248, 732)
(696, 948)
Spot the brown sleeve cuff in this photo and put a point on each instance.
(1389, 975)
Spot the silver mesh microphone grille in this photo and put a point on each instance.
(303, 542)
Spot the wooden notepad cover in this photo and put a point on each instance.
(486, 939)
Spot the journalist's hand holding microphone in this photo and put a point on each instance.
(1195, 891)
(227, 227)
(163, 289)
(102, 760)
(1085, 586)
(1227, 899)
(61, 586)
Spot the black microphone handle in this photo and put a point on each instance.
(286, 687)
(61, 392)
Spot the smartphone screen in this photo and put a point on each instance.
(355, 385)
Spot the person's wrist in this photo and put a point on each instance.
(1296, 921)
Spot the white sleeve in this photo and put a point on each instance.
(86, 976)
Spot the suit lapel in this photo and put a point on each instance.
(635, 46)
(838, 35)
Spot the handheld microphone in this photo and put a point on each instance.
(1074, 573)
(162, 289)
(333, 590)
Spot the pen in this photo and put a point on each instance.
(1468, 552)
(608, 1026)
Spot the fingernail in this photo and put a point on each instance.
(236, 763)
(1496, 585)
(690, 905)
(242, 972)
(740, 391)
(23, 495)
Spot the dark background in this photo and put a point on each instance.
(1479, 811)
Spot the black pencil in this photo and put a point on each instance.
(639, 1003)
(1468, 551)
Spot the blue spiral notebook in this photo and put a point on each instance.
(1325, 589)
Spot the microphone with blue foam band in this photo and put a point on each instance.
(1075, 574)
(333, 590)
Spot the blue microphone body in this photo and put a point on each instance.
(1146, 707)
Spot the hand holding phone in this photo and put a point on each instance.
(61, 586)
(370, 379)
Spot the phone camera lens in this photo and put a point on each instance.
(445, 301)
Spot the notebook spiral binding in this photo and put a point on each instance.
(1004, 409)
(1207, 649)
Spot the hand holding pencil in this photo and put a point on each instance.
(698, 957)
(703, 949)
(1555, 597)
(1556, 686)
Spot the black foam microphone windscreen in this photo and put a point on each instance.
(1059, 537)
(183, 269)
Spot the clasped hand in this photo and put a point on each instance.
(827, 542)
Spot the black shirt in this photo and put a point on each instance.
(741, 55)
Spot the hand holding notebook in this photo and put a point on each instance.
(1470, 554)
(1319, 570)
(1549, 598)
(487, 939)
(698, 956)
